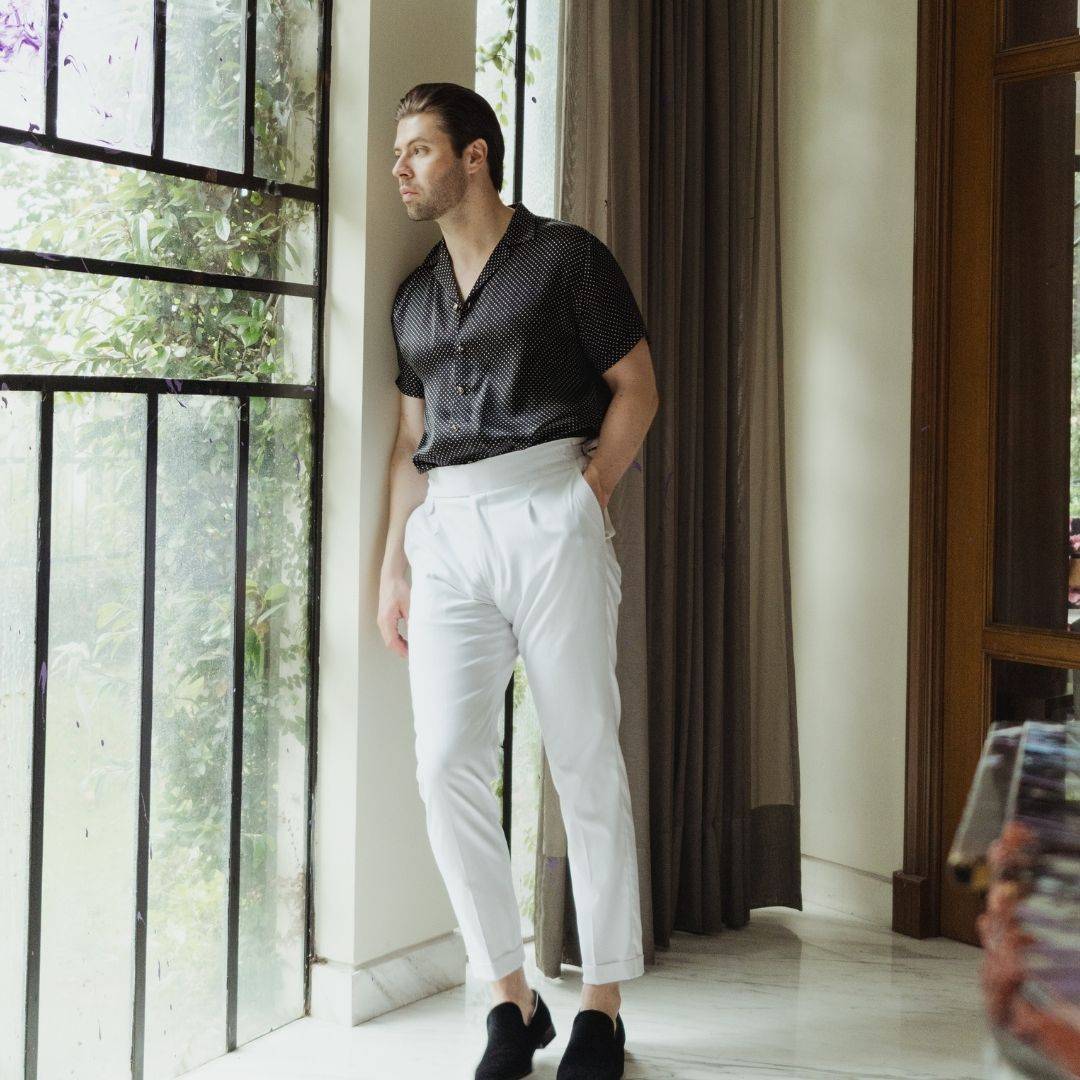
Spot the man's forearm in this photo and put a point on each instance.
(408, 489)
(628, 418)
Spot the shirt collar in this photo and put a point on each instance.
(521, 227)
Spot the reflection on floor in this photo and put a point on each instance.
(808, 994)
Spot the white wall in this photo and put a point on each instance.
(847, 153)
(377, 888)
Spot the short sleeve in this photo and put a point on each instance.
(608, 318)
(407, 381)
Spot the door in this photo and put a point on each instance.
(1012, 450)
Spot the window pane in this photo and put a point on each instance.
(286, 78)
(192, 735)
(1031, 692)
(495, 81)
(542, 99)
(61, 322)
(204, 105)
(272, 885)
(18, 558)
(106, 72)
(1037, 499)
(92, 740)
(68, 206)
(22, 64)
(1030, 21)
(525, 798)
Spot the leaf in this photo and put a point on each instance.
(279, 589)
(250, 262)
(108, 612)
(222, 227)
(270, 611)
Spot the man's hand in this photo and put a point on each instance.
(593, 477)
(394, 597)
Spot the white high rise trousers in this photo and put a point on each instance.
(512, 555)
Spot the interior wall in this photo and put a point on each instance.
(847, 157)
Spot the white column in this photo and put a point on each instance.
(382, 916)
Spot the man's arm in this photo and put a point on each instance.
(629, 415)
(408, 489)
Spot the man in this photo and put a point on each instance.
(520, 349)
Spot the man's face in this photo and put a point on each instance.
(425, 163)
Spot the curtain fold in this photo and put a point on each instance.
(668, 152)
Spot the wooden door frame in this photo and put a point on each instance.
(917, 886)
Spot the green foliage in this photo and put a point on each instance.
(499, 52)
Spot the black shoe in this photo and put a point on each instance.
(511, 1042)
(595, 1049)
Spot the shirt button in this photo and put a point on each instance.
(460, 347)
(460, 389)
(456, 305)
(453, 427)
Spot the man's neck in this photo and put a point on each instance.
(471, 232)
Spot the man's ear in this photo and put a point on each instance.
(477, 151)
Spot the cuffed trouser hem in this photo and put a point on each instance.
(500, 967)
(616, 971)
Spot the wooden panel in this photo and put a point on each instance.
(966, 677)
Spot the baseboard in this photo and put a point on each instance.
(848, 890)
(350, 994)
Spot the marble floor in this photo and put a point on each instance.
(809, 994)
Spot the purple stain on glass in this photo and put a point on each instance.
(17, 31)
(174, 388)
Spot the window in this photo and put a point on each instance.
(163, 171)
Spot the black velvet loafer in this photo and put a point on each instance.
(595, 1049)
(511, 1042)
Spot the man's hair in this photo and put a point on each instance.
(463, 115)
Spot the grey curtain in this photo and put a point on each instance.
(669, 153)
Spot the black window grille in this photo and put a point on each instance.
(520, 42)
(162, 285)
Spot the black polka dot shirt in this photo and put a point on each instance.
(518, 361)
